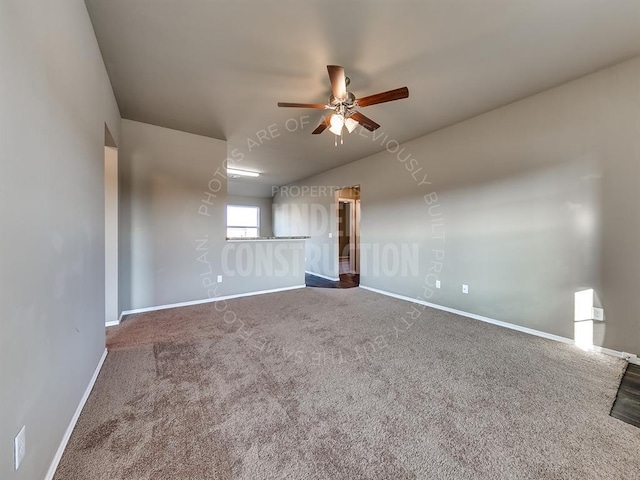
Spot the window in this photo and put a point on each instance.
(243, 221)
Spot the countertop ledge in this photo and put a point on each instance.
(257, 239)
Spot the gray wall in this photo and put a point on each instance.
(166, 206)
(111, 234)
(172, 224)
(266, 220)
(253, 266)
(309, 209)
(56, 98)
(527, 204)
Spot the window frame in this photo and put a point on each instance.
(256, 227)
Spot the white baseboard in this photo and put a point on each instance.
(530, 331)
(200, 302)
(67, 434)
(113, 323)
(322, 276)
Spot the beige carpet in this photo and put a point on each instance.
(334, 384)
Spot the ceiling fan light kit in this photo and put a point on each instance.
(344, 105)
(337, 122)
(350, 124)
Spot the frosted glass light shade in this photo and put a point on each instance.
(351, 124)
(337, 122)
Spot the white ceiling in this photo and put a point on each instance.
(218, 67)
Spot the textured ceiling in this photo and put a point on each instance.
(218, 67)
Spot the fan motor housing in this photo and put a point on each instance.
(347, 102)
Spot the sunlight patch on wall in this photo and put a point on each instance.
(583, 320)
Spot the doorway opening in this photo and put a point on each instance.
(348, 202)
(347, 246)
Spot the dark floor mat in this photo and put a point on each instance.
(627, 404)
(347, 280)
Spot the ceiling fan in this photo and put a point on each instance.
(343, 104)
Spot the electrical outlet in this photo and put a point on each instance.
(19, 447)
(219, 278)
(465, 288)
(597, 314)
(438, 284)
(330, 234)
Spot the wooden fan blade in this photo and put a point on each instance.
(302, 105)
(366, 122)
(383, 97)
(338, 81)
(326, 121)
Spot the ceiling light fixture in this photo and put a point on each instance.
(337, 122)
(350, 124)
(233, 173)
